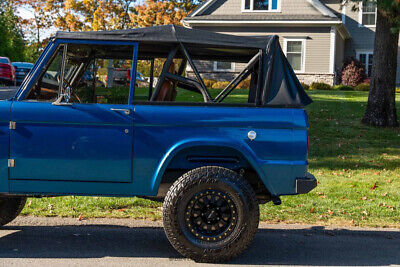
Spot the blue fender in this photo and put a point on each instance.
(242, 148)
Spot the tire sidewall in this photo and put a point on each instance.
(221, 185)
(231, 184)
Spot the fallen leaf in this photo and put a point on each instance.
(80, 217)
(385, 194)
(29, 203)
(374, 186)
(312, 210)
(364, 198)
(330, 212)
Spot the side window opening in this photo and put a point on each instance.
(178, 78)
(98, 74)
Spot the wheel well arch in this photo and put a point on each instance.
(198, 155)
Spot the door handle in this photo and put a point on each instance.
(127, 111)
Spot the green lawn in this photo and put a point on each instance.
(358, 169)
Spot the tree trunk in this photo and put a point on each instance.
(381, 109)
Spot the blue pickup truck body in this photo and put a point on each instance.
(87, 149)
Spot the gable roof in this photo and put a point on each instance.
(326, 16)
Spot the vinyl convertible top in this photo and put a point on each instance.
(278, 84)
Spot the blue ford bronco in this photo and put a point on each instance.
(212, 157)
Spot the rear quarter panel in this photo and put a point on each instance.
(278, 154)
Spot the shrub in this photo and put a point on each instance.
(305, 86)
(352, 73)
(209, 83)
(320, 86)
(397, 89)
(220, 85)
(362, 87)
(343, 88)
(244, 84)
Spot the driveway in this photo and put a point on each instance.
(99, 242)
(7, 92)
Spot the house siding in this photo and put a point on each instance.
(288, 7)
(362, 38)
(317, 55)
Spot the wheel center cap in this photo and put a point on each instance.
(212, 215)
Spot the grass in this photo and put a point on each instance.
(358, 169)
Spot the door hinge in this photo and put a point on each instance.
(13, 125)
(11, 163)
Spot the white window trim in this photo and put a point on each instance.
(344, 11)
(303, 51)
(368, 53)
(215, 68)
(360, 17)
(257, 11)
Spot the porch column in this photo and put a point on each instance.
(332, 50)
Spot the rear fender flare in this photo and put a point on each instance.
(242, 148)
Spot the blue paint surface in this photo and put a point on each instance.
(87, 149)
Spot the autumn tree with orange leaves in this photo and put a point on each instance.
(154, 12)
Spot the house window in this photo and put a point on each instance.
(261, 5)
(295, 52)
(366, 58)
(368, 13)
(224, 66)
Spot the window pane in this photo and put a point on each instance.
(274, 5)
(294, 46)
(363, 59)
(247, 4)
(224, 65)
(368, 19)
(369, 7)
(260, 4)
(370, 60)
(47, 87)
(294, 60)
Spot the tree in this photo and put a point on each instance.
(12, 43)
(41, 20)
(90, 15)
(381, 108)
(155, 12)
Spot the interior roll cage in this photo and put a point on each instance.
(197, 85)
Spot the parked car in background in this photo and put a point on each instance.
(21, 70)
(87, 79)
(7, 71)
(122, 77)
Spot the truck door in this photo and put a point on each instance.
(67, 124)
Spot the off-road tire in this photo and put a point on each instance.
(10, 208)
(226, 182)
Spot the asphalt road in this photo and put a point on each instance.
(7, 92)
(55, 241)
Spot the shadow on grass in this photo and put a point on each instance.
(308, 246)
(340, 141)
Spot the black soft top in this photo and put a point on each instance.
(279, 84)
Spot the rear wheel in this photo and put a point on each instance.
(211, 214)
(10, 208)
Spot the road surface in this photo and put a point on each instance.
(7, 92)
(31, 241)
